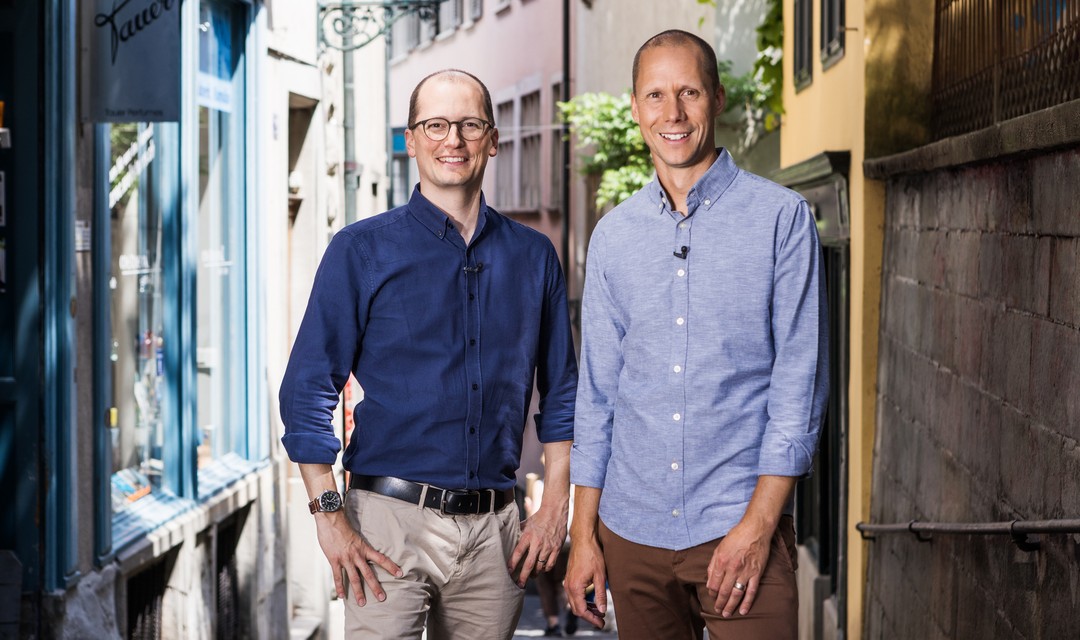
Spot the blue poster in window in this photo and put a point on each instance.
(217, 62)
(132, 49)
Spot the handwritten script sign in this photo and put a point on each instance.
(122, 31)
(132, 53)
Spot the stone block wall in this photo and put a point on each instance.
(979, 399)
(250, 515)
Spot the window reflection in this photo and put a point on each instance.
(220, 296)
(136, 310)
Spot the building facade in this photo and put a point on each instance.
(825, 132)
(921, 146)
(141, 259)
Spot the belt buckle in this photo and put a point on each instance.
(456, 502)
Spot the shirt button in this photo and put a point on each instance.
(708, 202)
(472, 429)
(475, 386)
(682, 225)
(472, 297)
(681, 272)
(677, 369)
(472, 474)
(472, 343)
(675, 513)
(679, 321)
(674, 466)
(676, 417)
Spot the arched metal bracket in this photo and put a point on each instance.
(919, 535)
(350, 24)
(1021, 539)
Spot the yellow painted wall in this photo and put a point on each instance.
(829, 115)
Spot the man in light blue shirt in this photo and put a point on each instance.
(703, 381)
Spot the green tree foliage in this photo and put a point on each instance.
(755, 98)
(615, 149)
(767, 68)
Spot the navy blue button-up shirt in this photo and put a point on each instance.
(445, 340)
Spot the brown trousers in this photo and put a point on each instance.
(660, 594)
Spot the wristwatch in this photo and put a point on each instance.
(327, 501)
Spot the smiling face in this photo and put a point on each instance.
(452, 163)
(675, 108)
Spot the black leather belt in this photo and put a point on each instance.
(454, 502)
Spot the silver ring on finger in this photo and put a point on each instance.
(740, 586)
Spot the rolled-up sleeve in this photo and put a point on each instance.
(799, 385)
(598, 382)
(556, 373)
(326, 348)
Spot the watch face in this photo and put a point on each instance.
(330, 501)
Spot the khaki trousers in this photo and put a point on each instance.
(660, 594)
(455, 578)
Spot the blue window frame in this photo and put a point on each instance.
(174, 292)
(220, 311)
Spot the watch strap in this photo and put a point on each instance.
(315, 506)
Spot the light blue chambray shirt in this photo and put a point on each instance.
(700, 374)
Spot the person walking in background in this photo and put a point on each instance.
(446, 312)
(704, 378)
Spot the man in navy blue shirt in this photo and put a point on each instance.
(446, 312)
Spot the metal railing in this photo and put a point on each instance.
(1018, 530)
(999, 59)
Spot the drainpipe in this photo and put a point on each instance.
(565, 86)
(348, 122)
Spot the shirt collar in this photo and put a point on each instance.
(438, 222)
(706, 191)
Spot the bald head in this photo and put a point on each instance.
(678, 38)
(452, 75)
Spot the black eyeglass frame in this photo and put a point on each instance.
(449, 124)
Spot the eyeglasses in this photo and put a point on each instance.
(469, 129)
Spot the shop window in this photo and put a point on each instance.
(174, 401)
(136, 418)
(220, 304)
